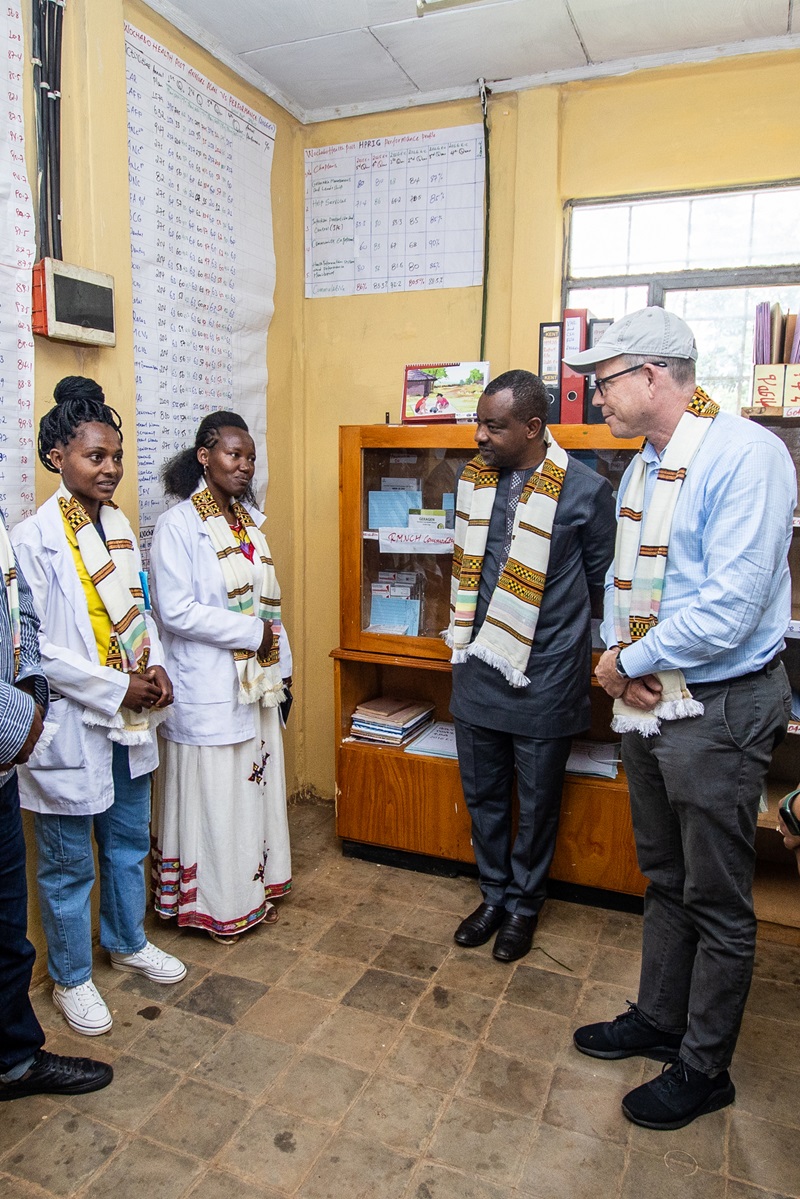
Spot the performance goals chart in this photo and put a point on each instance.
(402, 213)
(203, 259)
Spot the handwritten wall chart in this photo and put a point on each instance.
(18, 240)
(400, 213)
(203, 259)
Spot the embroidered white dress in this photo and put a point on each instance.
(220, 830)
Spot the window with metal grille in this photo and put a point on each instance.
(708, 256)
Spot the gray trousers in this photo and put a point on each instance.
(513, 869)
(695, 792)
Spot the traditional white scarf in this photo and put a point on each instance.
(113, 568)
(259, 677)
(506, 635)
(640, 562)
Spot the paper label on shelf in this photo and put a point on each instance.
(426, 519)
(407, 577)
(791, 390)
(416, 541)
(768, 380)
(393, 483)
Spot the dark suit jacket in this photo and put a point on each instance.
(556, 704)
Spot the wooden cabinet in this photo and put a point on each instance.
(395, 800)
(385, 796)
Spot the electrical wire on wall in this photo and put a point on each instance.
(484, 96)
(48, 18)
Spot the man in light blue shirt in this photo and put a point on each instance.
(696, 782)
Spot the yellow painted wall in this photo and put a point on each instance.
(689, 127)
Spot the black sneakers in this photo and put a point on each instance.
(677, 1096)
(629, 1035)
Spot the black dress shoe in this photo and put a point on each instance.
(479, 926)
(515, 937)
(54, 1075)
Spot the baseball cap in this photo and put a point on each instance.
(648, 331)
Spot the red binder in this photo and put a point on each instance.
(573, 384)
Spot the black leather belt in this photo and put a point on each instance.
(767, 668)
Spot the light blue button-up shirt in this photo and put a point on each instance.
(726, 599)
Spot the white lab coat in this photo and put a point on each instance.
(72, 775)
(199, 633)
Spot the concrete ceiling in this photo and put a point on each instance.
(330, 58)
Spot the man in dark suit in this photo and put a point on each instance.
(503, 727)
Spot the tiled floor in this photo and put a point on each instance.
(352, 1050)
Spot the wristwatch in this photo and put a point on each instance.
(621, 671)
(786, 809)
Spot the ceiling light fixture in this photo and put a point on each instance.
(424, 6)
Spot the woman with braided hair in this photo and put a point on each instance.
(221, 836)
(101, 654)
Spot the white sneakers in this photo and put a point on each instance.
(152, 962)
(83, 1008)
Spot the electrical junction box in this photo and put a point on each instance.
(73, 304)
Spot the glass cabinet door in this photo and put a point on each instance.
(407, 518)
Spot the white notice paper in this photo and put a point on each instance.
(401, 213)
(202, 256)
(17, 452)
(416, 541)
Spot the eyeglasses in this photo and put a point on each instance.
(602, 384)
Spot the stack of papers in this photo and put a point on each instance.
(439, 741)
(597, 758)
(389, 721)
(395, 603)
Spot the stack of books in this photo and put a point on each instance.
(388, 721)
(776, 355)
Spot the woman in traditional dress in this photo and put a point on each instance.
(100, 652)
(220, 828)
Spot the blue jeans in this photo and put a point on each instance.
(20, 1032)
(66, 875)
(512, 870)
(695, 790)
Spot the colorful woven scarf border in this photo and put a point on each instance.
(112, 568)
(259, 675)
(505, 638)
(642, 546)
(640, 563)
